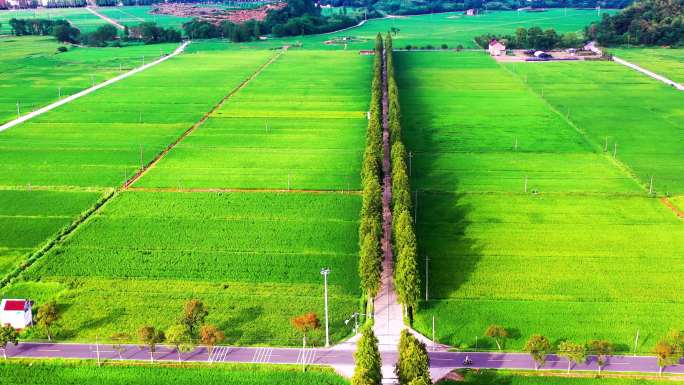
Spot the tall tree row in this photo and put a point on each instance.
(370, 229)
(406, 278)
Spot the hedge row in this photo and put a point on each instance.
(406, 277)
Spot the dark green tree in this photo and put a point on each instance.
(368, 370)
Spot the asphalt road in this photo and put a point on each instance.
(330, 357)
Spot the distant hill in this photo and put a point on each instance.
(649, 22)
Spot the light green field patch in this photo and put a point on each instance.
(292, 127)
(668, 62)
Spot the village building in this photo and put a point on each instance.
(471, 12)
(16, 312)
(496, 48)
(367, 52)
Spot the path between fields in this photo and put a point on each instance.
(105, 18)
(440, 362)
(239, 190)
(654, 75)
(200, 122)
(90, 90)
(666, 201)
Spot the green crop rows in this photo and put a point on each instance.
(581, 253)
(84, 373)
(293, 127)
(83, 19)
(134, 15)
(33, 74)
(668, 62)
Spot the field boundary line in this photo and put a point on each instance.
(92, 89)
(58, 238)
(105, 18)
(666, 201)
(649, 73)
(241, 190)
(200, 122)
(596, 146)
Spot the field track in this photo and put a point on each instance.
(105, 18)
(90, 90)
(649, 73)
(238, 190)
(672, 207)
(200, 122)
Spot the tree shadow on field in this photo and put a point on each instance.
(235, 326)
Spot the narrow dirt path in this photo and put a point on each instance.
(666, 201)
(90, 90)
(105, 18)
(200, 122)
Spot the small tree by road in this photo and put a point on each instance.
(575, 353)
(193, 316)
(8, 336)
(602, 349)
(498, 333)
(211, 336)
(46, 317)
(118, 341)
(179, 336)
(150, 337)
(305, 324)
(669, 350)
(539, 347)
(368, 368)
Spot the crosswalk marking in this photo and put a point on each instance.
(262, 355)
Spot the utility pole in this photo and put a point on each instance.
(18, 112)
(97, 349)
(410, 161)
(427, 274)
(615, 150)
(59, 92)
(143, 60)
(288, 182)
(525, 183)
(142, 166)
(515, 145)
(325, 273)
(650, 186)
(636, 342)
(605, 146)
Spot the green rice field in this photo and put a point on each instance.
(491, 377)
(134, 15)
(292, 127)
(33, 74)
(86, 373)
(561, 255)
(668, 62)
(253, 258)
(81, 18)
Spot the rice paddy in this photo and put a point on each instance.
(526, 221)
(668, 62)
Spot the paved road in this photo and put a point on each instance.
(94, 88)
(441, 362)
(105, 18)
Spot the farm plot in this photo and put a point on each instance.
(294, 126)
(101, 139)
(638, 118)
(34, 74)
(27, 218)
(81, 18)
(254, 258)
(667, 62)
(133, 15)
(86, 373)
(552, 261)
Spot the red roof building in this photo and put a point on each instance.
(16, 313)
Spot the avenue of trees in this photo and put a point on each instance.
(413, 366)
(368, 369)
(406, 277)
(533, 38)
(648, 22)
(370, 229)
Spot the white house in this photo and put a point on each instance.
(16, 312)
(496, 48)
(470, 12)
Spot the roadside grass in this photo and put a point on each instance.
(33, 74)
(643, 117)
(493, 377)
(59, 372)
(668, 62)
(295, 126)
(584, 254)
(254, 258)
